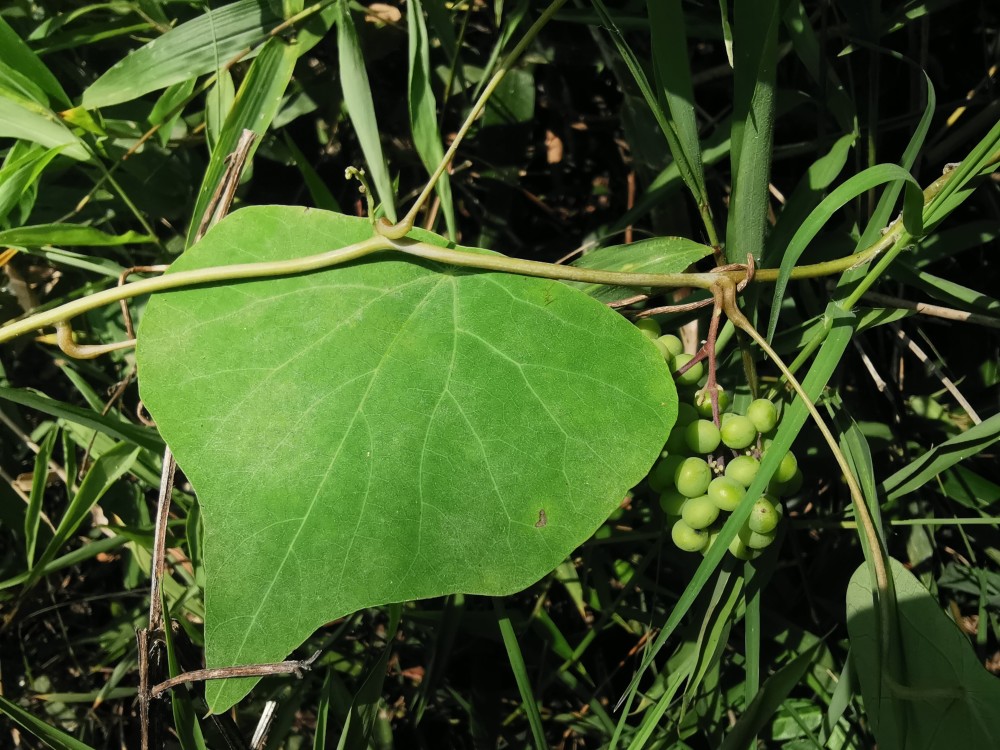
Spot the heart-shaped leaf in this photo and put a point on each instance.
(387, 430)
(938, 694)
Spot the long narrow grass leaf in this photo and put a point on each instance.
(361, 108)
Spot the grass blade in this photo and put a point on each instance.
(32, 122)
(423, 110)
(361, 107)
(256, 105)
(187, 51)
(774, 691)
(755, 52)
(39, 478)
(45, 733)
(19, 56)
(517, 665)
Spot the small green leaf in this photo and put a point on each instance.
(41, 235)
(187, 51)
(940, 695)
(360, 436)
(654, 255)
(22, 58)
(33, 123)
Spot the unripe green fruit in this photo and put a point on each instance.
(661, 477)
(713, 535)
(693, 477)
(702, 436)
(743, 469)
(763, 518)
(672, 502)
(763, 414)
(789, 488)
(676, 444)
(739, 550)
(754, 540)
(726, 493)
(672, 344)
(688, 539)
(649, 327)
(603, 532)
(665, 353)
(786, 469)
(738, 432)
(703, 402)
(686, 414)
(699, 512)
(692, 376)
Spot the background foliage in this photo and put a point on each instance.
(619, 123)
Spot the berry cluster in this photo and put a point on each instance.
(706, 468)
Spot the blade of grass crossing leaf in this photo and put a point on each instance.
(423, 110)
(186, 723)
(773, 693)
(855, 447)
(116, 428)
(68, 234)
(807, 231)
(255, 106)
(673, 77)
(714, 633)
(971, 442)
(755, 50)
(792, 421)
(218, 103)
(361, 108)
(687, 170)
(521, 676)
(44, 733)
(39, 478)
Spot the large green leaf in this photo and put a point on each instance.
(940, 695)
(388, 430)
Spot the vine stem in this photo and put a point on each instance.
(450, 256)
(878, 559)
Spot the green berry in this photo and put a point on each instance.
(672, 502)
(739, 550)
(702, 436)
(743, 469)
(686, 414)
(763, 518)
(661, 477)
(672, 344)
(754, 540)
(763, 414)
(786, 469)
(703, 402)
(726, 493)
(676, 444)
(693, 375)
(738, 432)
(693, 477)
(786, 489)
(649, 327)
(699, 512)
(688, 539)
